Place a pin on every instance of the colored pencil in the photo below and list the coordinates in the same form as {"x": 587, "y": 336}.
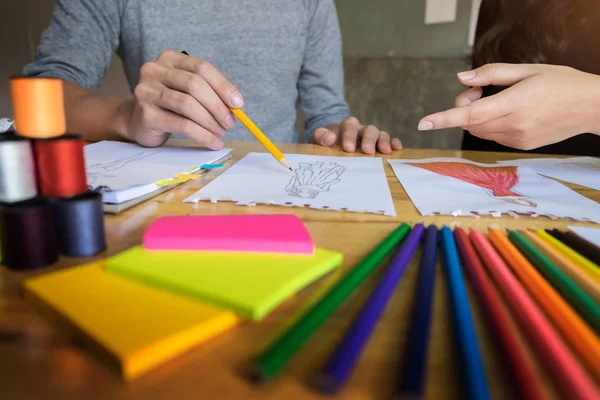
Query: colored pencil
{"x": 576, "y": 274}
{"x": 586, "y": 265}
{"x": 518, "y": 365}
{"x": 470, "y": 356}
{"x": 343, "y": 360}
{"x": 272, "y": 361}
{"x": 412, "y": 380}
{"x": 576, "y": 296}
{"x": 582, "y": 246}
{"x": 573, "y": 328}
{"x": 573, "y": 379}
{"x": 262, "y": 138}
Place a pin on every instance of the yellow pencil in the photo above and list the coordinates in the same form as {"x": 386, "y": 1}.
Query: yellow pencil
{"x": 261, "y": 137}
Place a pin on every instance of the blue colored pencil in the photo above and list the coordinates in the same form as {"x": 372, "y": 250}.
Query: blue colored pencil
{"x": 470, "y": 356}
{"x": 339, "y": 367}
{"x": 412, "y": 381}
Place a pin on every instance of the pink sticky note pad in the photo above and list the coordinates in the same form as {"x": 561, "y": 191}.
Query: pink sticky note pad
{"x": 231, "y": 233}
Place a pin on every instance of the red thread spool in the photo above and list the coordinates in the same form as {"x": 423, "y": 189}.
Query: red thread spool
{"x": 60, "y": 166}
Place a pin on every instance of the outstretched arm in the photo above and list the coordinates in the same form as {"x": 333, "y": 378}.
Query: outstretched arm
{"x": 544, "y": 104}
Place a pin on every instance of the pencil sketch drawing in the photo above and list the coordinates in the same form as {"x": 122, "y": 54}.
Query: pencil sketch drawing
{"x": 310, "y": 179}
{"x": 102, "y": 170}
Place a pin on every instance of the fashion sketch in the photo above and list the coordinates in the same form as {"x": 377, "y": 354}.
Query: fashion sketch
{"x": 103, "y": 170}
{"x": 498, "y": 182}
{"x": 310, "y": 179}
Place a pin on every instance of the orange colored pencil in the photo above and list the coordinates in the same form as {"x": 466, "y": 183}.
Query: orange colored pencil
{"x": 573, "y": 328}
{"x": 572, "y": 378}
{"x": 586, "y": 282}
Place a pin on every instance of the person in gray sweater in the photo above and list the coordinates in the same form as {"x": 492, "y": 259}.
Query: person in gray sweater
{"x": 262, "y": 55}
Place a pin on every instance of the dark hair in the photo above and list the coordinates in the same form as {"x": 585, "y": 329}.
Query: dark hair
{"x": 531, "y": 31}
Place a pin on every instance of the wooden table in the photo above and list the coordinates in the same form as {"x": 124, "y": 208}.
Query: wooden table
{"x": 42, "y": 363}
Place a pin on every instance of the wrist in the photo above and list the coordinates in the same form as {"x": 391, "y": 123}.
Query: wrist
{"x": 120, "y": 124}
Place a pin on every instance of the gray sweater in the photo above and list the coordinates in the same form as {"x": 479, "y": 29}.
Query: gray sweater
{"x": 277, "y": 52}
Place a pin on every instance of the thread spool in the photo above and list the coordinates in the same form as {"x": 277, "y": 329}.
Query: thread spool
{"x": 60, "y": 166}
{"x": 38, "y": 106}
{"x": 27, "y": 236}
{"x": 17, "y": 169}
{"x": 80, "y": 225}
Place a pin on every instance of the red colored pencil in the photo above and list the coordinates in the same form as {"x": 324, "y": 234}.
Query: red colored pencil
{"x": 570, "y": 375}
{"x": 518, "y": 364}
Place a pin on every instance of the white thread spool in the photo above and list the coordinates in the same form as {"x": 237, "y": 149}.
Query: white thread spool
{"x": 17, "y": 170}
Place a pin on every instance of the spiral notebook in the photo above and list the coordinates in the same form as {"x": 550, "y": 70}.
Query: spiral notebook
{"x": 127, "y": 173}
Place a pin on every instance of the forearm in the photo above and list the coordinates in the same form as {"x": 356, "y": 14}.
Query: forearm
{"x": 96, "y": 117}
{"x": 595, "y": 108}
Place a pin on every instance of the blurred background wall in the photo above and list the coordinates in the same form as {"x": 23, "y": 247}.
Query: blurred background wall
{"x": 398, "y": 67}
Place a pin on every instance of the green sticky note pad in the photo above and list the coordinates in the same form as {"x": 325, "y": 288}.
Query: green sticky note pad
{"x": 251, "y": 285}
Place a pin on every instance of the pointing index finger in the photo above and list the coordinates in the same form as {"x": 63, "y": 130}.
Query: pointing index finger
{"x": 479, "y": 112}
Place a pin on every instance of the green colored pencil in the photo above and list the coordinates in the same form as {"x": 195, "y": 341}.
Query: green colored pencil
{"x": 579, "y": 299}
{"x": 275, "y": 357}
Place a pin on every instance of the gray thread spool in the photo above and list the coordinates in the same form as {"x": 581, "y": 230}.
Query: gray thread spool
{"x": 17, "y": 170}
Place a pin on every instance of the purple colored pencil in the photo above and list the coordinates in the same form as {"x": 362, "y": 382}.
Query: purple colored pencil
{"x": 339, "y": 367}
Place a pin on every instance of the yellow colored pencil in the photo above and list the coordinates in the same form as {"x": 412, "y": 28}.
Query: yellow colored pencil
{"x": 261, "y": 137}
{"x": 586, "y": 265}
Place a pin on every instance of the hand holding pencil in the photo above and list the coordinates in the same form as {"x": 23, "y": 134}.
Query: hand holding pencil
{"x": 261, "y": 137}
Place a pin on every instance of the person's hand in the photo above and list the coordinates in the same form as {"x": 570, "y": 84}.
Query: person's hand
{"x": 351, "y": 134}
{"x": 544, "y": 104}
{"x": 178, "y": 93}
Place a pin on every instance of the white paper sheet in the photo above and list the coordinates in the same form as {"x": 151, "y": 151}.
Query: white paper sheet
{"x": 488, "y": 189}
{"x": 355, "y": 184}
{"x": 584, "y": 171}
{"x": 118, "y": 165}
{"x": 5, "y": 124}
{"x": 592, "y": 235}
{"x": 440, "y": 11}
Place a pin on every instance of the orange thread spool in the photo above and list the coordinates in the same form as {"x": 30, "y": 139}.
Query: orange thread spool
{"x": 60, "y": 165}
{"x": 38, "y": 106}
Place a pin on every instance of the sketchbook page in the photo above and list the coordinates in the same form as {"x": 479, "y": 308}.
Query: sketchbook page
{"x": 584, "y": 171}
{"x": 592, "y": 235}
{"x": 453, "y": 186}
{"x": 118, "y": 165}
{"x": 356, "y": 184}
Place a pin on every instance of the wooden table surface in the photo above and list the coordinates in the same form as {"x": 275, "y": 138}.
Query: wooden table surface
{"x": 40, "y": 362}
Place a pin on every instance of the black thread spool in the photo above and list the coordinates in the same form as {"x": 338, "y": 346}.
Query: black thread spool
{"x": 27, "y": 236}
{"x": 80, "y": 225}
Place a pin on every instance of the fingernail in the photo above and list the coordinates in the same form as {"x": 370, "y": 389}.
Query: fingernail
{"x": 425, "y": 126}
{"x": 329, "y": 138}
{"x": 221, "y": 131}
{"x": 350, "y": 147}
{"x": 217, "y": 144}
{"x": 229, "y": 121}
{"x": 236, "y": 100}
{"x": 467, "y": 75}
{"x": 369, "y": 149}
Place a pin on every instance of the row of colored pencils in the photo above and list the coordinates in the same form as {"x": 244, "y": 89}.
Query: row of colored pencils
{"x": 549, "y": 280}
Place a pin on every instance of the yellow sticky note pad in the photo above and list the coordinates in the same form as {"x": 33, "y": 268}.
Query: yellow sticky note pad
{"x": 136, "y": 326}
{"x": 250, "y": 284}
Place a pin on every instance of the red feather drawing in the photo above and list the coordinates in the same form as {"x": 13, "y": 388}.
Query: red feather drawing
{"x": 497, "y": 181}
